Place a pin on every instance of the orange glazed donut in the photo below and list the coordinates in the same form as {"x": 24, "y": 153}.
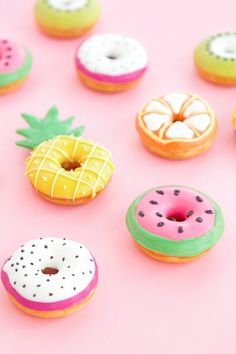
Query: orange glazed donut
{"x": 177, "y": 125}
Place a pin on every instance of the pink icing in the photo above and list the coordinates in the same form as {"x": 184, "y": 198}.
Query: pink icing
{"x": 52, "y": 306}
{"x": 12, "y": 56}
{"x": 153, "y": 210}
{"x": 135, "y": 75}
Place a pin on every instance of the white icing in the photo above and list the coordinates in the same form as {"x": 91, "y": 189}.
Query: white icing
{"x": 179, "y": 130}
{"x": 76, "y": 257}
{"x": 94, "y": 54}
{"x": 157, "y": 106}
{"x": 67, "y": 5}
{"x": 196, "y": 106}
{"x": 176, "y": 100}
{"x": 154, "y": 121}
{"x": 200, "y": 121}
{"x": 224, "y": 46}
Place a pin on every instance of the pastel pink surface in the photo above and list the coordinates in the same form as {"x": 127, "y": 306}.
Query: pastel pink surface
{"x": 12, "y": 56}
{"x": 170, "y": 205}
{"x": 141, "y": 305}
{"x": 52, "y": 306}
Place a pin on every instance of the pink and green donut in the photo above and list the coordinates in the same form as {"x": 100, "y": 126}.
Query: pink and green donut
{"x": 175, "y": 223}
{"x": 15, "y": 65}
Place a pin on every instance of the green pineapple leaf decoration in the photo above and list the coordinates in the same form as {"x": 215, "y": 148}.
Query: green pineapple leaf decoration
{"x": 47, "y": 128}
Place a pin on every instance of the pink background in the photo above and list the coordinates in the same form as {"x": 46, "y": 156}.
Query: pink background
{"x": 141, "y": 305}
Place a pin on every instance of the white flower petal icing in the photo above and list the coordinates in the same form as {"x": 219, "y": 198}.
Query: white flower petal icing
{"x": 200, "y": 122}
{"x": 157, "y": 106}
{"x": 176, "y": 100}
{"x": 69, "y": 257}
{"x": 196, "y": 106}
{"x": 179, "y": 130}
{"x": 154, "y": 121}
{"x": 111, "y": 54}
{"x": 67, "y": 5}
{"x": 224, "y": 46}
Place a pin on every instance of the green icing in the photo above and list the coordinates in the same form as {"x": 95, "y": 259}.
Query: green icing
{"x": 47, "y": 128}
{"x": 188, "y": 247}
{"x": 9, "y": 78}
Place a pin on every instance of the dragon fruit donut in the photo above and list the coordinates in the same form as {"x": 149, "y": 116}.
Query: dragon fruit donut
{"x": 50, "y": 277}
{"x": 15, "y": 64}
{"x": 111, "y": 63}
{"x": 174, "y": 223}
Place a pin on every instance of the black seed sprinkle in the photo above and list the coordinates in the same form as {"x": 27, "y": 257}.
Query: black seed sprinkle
{"x": 80, "y": 247}
{"x": 141, "y": 213}
{"x": 32, "y": 252}
{"x": 22, "y": 251}
{"x": 24, "y": 286}
{"x": 25, "y": 275}
{"x": 154, "y": 202}
{"x": 159, "y": 214}
{"x": 40, "y": 259}
{"x": 62, "y": 287}
{"x": 199, "y": 219}
{"x": 16, "y": 270}
{"x": 77, "y": 256}
{"x": 91, "y": 260}
{"x": 180, "y": 229}
{"x": 48, "y": 280}
{"x": 160, "y": 224}
{"x": 83, "y": 273}
{"x": 73, "y": 275}
{"x": 159, "y": 192}
{"x": 68, "y": 266}
{"x": 17, "y": 263}
{"x": 176, "y": 192}
{"x": 14, "y": 283}
{"x": 12, "y": 265}
{"x": 50, "y": 294}
{"x": 63, "y": 259}
{"x": 23, "y": 266}
{"x": 189, "y": 213}
{"x": 74, "y": 288}
{"x": 199, "y": 199}
{"x": 209, "y": 211}
{"x": 33, "y": 246}
{"x": 38, "y": 286}
{"x": 45, "y": 246}
{"x": 51, "y": 257}
{"x": 63, "y": 277}
{"x": 31, "y": 263}
{"x": 21, "y": 258}
{"x": 34, "y": 295}
{"x": 64, "y": 238}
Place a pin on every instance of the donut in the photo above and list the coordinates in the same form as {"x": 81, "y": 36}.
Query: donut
{"x": 174, "y": 223}
{"x": 15, "y": 65}
{"x": 50, "y": 277}
{"x": 177, "y": 125}
{"x": 110, "y": 62}
{"x": 215, "y": 59}
{"x": 64, "y": 169}
{"x": 66, "y": 18}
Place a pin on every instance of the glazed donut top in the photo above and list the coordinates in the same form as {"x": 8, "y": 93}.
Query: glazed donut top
{"x": 12, "y": 56}
{"x": 68, "y": 5}
{"x": 223, "y": 46}
{"x": 75, "y": 265}
{"x": 175, "y": 213}
{"x": 177, "y": 116}
{"x": 47, "y": 167}
{"x": 112, "y": 55}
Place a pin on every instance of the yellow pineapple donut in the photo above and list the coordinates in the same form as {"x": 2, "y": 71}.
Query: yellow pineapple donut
{"x": 64, "y": 169}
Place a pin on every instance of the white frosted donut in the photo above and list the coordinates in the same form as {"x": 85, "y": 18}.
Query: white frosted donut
{"x": 111, "y": 58}
{"x": 50, "y": 277}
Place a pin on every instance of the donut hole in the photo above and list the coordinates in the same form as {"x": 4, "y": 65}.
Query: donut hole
{"x": 50, "y": 271}
{"x": 224, "y": 46}
{"x": 70, "y": 166}
{"x": 176, "y": 216}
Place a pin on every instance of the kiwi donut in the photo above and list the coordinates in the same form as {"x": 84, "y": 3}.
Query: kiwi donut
{"x": 215, "y": 59}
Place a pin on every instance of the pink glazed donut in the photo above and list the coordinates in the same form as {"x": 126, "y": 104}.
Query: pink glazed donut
{"x": 15, "y": 64}
{"x": 50, "y": 277}
{"x": 175, "y": 223}
{"x": 111, "y": 63}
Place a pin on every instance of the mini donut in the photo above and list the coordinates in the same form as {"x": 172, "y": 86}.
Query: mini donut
{"x": 15, "y": 65}
{"x": 177, "y": 125}
{"x": 174, "y": 223}
{"x": 66, "y": 18}
{"x": 215, "y": 59}
{"x": 68, "y": 170}
{"x": 50, "y": 277}
{"x": 109, "y": 62}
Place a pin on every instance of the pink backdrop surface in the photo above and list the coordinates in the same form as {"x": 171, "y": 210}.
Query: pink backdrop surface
{"x": 140, "y": 305}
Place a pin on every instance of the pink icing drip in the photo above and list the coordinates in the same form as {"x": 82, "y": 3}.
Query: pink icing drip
{"x": 135, "y": 75}
{"x": 170, "y": 204}
{"x": 12, "y": 56}
{"x": 52, "y": 306}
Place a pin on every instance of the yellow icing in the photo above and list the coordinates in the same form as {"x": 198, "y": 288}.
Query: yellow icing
{"x": 45, "y": 172}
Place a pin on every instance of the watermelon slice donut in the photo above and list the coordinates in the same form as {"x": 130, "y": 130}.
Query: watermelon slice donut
{"x": 50, "y": 277}
{"x": 177, "y": 126}
{"x": 15, "y": 64}
{"x": 111, "y": 62}
{"x": 174, "y": 223}
{"x": 66, "y": 18}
